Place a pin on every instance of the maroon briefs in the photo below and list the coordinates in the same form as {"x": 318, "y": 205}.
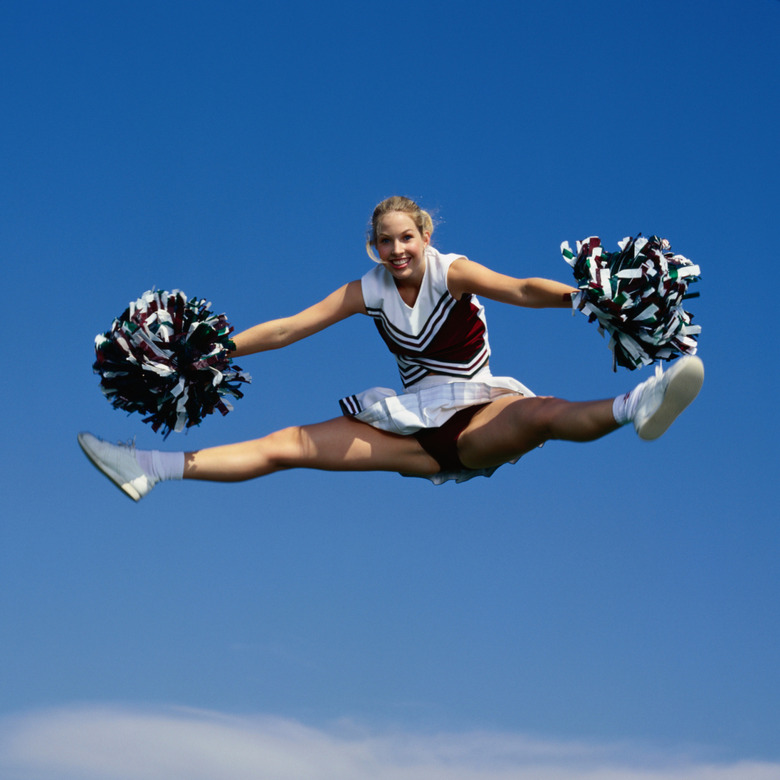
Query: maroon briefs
{"x": 442, "y": 443}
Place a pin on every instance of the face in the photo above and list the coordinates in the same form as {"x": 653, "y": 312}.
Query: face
{"x": 400, "y": 246}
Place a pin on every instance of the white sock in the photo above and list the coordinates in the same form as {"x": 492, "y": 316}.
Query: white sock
{"x": 624, "y": 406}
{"x": 159, "y": 466}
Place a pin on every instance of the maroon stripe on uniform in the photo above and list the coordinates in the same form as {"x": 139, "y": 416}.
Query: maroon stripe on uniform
{"x": 420, "y": 340}
{"x": 458, "y": 348}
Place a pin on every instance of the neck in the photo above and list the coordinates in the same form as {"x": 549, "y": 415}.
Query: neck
{"x": 409, "y": 288}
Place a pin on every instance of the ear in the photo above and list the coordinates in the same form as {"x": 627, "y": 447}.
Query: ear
{"x": 426, "y": 238}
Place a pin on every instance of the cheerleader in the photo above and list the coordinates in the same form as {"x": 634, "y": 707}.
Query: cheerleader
{"x": 453, "y": 419}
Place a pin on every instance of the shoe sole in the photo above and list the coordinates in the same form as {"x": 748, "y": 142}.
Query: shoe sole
{"x": 683, "y": 387}
{"x": 125, "y": 487}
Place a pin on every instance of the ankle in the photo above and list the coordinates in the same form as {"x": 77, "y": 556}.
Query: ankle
{"x": 161, "y": 466}
{"x": 622, "y": 408}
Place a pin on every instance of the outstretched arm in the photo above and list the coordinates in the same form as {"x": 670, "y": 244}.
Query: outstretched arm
{"x": 466, "y": 276}
{"x": 339, "y": 305}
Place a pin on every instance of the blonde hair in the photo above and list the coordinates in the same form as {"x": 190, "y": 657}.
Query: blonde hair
{"x": 420, "y": 217}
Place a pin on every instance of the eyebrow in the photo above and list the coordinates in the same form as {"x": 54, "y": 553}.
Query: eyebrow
{"x": 390, "y": 235}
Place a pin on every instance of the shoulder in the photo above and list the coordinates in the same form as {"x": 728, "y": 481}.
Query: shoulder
{"x": 376, "y": 277}
{"x": 374, "y": 286}
{"x": 377, "y": 272}
{"x": 448, "y": 269}
{"x": 440, "y": 259}
{"x": 438, "y": 266}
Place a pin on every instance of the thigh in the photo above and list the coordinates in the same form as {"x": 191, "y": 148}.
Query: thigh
{"x": 501, "y": 431}
{"x": 344, "y": 444}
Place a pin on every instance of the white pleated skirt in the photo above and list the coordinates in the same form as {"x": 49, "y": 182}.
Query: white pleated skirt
{"x": 429, "y": 403}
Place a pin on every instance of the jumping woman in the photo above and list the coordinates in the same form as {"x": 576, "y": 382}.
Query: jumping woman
{"x": 454, "y": 420}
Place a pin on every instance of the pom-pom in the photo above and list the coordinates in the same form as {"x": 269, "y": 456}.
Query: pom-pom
{"x": 167, "y": 357}
{"x": 636, "y": 295}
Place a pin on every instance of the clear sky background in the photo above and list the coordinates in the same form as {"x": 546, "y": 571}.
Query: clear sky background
{"x": 606, "y": 610}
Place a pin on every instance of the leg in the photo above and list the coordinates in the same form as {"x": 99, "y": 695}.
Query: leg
{"x": 498, "y": 432}
{"x": 341, "y": 444}
{"x": 512, "y": 426}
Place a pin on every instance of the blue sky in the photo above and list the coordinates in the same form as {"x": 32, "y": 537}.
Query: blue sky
{"x": 608, "y": 609}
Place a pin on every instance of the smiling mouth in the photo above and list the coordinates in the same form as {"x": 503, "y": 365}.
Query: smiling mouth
{"x": 399, "y": 262}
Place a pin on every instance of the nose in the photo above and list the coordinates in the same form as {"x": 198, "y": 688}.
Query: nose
{"x": 398, "y": 247}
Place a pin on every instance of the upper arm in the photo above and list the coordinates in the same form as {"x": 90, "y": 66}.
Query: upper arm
{"x": 466, "y": 276}
{"x": 339, "y": 305}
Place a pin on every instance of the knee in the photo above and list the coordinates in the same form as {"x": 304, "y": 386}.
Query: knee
{"x": 285, "y": 448}
{"x": 540, "y": 415}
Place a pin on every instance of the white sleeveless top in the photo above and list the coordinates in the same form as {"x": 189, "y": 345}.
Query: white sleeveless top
{"x": 439, "y": 334}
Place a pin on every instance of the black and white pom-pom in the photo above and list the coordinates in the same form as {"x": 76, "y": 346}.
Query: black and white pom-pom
{"x": 167, "y": 357}
{"x": 636, "y": 295}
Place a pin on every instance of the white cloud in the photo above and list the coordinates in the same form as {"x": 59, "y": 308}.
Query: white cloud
{"x": 119, "y": 743}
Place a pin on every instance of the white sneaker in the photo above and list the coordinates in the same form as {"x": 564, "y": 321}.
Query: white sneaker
{"x": 118, "y": 463}
{"x": 665, "y": 395}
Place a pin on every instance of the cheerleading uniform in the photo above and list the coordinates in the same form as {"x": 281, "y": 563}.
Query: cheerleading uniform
{"x": 442, "y": 349}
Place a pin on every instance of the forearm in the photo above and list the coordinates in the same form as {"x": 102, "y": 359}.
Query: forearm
{"x": 273, "y": 334}
{"x": 466, "y": 276}
{"x": 536, "y": 293}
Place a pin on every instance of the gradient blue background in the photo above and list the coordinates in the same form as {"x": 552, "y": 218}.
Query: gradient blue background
{"x": 613, "y": 591}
